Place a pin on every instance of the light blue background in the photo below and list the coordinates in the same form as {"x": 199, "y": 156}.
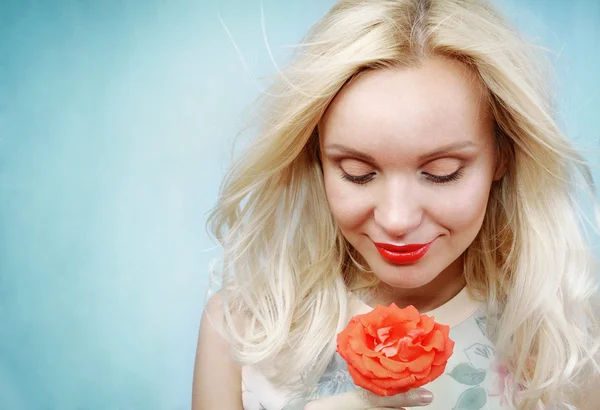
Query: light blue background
{"x": 116, "y": 123}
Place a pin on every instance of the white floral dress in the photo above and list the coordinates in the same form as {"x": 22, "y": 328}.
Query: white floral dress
{"x": 473, "y": 379}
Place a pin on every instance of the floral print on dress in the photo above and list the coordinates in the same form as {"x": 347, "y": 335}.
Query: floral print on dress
{"x": 473, "y": 373}
{"x": 503, "y": 383}
{"x": 335, "y": 380}
{"x": 474, "y": 378}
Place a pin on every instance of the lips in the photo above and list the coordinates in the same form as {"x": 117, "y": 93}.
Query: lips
{"x": 402, "y": 254}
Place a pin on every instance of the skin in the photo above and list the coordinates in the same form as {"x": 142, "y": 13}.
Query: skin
{"x": 396, "y": 133}
{"x": 399, "y": 125}
{"x": 217, "y": 383}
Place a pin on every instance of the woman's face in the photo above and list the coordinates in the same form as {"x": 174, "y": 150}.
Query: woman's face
{"x": 408, "y": 160}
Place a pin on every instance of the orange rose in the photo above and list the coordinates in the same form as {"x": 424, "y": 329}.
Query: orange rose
{"x": 391, "y": 350}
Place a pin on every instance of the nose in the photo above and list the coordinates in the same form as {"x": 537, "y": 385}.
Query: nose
{"x": 399, "y": 210}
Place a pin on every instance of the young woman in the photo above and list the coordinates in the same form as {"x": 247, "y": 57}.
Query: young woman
{"x": 408, "y": 155}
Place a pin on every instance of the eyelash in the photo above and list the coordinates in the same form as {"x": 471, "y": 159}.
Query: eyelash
{"x": 444, "y": 179}
{"x": 359, "y": 180}
{"x": 436, "y": 179}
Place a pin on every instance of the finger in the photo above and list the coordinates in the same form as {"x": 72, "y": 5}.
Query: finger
{"x": 386, "y": 408}
{"x": 361, "y": 399}
{"x": 412, "y": 398}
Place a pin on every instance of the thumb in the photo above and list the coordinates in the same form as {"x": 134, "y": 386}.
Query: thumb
{"x": 412, "y": 398}
{"x": 361, "y": 399}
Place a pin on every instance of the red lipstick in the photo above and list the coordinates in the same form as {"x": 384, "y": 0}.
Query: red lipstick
{"x": 402, "y": 254}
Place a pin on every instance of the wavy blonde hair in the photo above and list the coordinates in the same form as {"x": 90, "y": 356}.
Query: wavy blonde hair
{"x": 286, "y": 267}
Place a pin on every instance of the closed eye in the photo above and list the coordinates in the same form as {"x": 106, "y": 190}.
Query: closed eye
{"x": 443, "y": 179}
{"x": 358, "y": 179}
{"x": 436, "y": 179}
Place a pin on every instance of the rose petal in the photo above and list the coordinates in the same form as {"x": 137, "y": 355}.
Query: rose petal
{"x": 422, "y": 362}
{"x": 436, "y": 371}
{"x": 342, "y": 341}
{"x": 354, "y": 327}
{"x": 396, "y": 316}
{"x": 372, "y": 321}
{"x": 443, "y": 356}
{"x": 366, "y": 383}
{"x": 423, "y": 374}
{"x": 444, "y": 329}
{"x": 362, "y": 344}
{"x": 414, "y": 334}
{"x": 395, "y": 383}
{"x": 392, "y": 315}
{"x": 357, "y": 361}
{"x": 401, "y": 331}
{"x": 391, "y": 350}
{"x": 383, "y": 333}
{"x": 393, "y": 365}
{"x": 427, "y": 323}
{"x": 376, "y": 368}
{"x": 401, "y": 321}
{"x": 359, "y": 342}
{"x": 382, "y": 346}
{"x": 373, "y": 354}
{"x": 345, "y": 343}
{"x": 435, "y": 340}
{"x": 408, "y": 351}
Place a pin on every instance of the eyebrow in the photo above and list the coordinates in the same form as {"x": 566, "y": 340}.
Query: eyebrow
{"x": 456, "y": 146}
{"x": 349, "y": 151}
{"x": 446, "y": 149}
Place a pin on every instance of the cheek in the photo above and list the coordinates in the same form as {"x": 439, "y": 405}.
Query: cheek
{"x": 348, "y": 203}
{"x": 463, "y": 211}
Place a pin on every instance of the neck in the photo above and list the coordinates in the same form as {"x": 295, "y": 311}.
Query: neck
{"x": 427, "y": 297}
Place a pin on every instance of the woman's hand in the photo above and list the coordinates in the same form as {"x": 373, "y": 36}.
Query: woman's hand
{"x": 361, "y": 399}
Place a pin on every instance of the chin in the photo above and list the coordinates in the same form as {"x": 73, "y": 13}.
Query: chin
{"x": 405, "y": 278}
{"x": 416, "y": 284}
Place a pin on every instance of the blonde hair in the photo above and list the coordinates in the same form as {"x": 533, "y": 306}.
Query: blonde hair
{"x": 287, "y": 268}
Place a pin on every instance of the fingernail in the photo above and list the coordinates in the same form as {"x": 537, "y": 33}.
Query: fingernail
{"x": 425, "y": 396}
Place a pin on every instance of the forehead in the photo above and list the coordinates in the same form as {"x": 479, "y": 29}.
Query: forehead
{"x": 413, "y": 109}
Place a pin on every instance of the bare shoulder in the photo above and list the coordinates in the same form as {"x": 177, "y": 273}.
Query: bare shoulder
{"x": 217, "y": 378}
{"x": 589, "y": 397}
